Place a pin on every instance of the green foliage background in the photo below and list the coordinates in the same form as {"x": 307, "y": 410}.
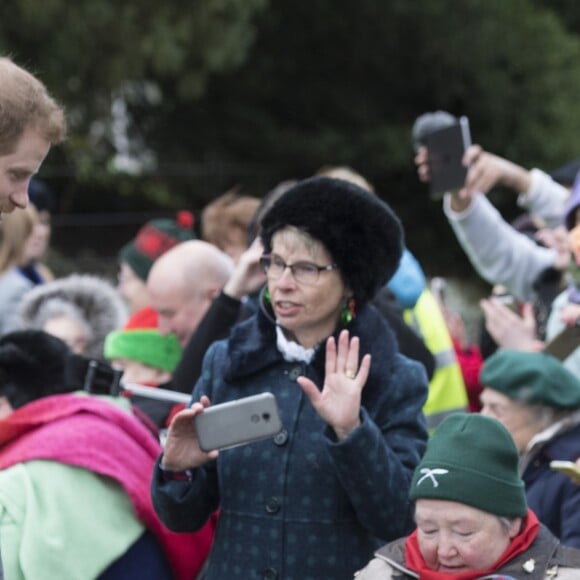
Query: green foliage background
{"x": 251, "y": 92}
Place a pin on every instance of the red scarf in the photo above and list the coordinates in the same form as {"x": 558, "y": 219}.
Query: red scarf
{"x": 94, "y": 434}
{"x": 414, "y": 560}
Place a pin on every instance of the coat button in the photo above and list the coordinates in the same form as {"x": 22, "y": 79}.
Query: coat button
{"x": 273, "y": 505}
{"x": 270, "y": 574}
{"x": 295, "y": 373}
{"x": 281, "y": 438}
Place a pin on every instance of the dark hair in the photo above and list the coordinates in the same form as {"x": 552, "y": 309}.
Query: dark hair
{"x": 41, "y": 196}
{"x": 32, "y": 365}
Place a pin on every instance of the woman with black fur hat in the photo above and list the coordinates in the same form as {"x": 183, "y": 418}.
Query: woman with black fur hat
{"x": 318, "y": 499}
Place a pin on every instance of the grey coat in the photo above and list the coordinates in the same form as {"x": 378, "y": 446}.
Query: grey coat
{"x": 13, "y": 287}
{"x": 545, "y": 559}
{"x": 303, "y": 505}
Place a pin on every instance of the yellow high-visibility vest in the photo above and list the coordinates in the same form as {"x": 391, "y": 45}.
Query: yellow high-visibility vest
{"x": 447, "y": 393}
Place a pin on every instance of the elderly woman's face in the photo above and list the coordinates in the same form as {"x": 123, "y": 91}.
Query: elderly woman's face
{"x": 309, "y": 312}
{"x": 69, "y": 331}
{"x": 516, "y": 417}
{"x": 455, "y": 537}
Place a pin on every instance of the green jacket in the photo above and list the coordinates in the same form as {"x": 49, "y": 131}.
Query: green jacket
{"x": 47, "y": 507}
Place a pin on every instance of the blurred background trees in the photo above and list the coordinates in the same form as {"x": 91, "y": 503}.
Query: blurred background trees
{"x": 171, "y": 104}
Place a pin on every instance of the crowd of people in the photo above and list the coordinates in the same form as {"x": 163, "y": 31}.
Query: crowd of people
{"x": 406, "y": 450}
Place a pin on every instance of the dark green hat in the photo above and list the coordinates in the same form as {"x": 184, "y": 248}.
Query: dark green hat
{"x": 533, "y": 378}
{"x": 472, "y": 459}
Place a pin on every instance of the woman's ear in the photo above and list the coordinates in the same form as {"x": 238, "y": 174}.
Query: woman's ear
{"x": 515, "y": 527}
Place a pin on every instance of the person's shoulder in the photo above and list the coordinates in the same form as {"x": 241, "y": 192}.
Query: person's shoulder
{"x": 388, "y": 563}
{"x": 568, "y": 561}
{"x": 14, "y": 279}
{"x": 564, "y": 557}
{"x": 376, "y": 569}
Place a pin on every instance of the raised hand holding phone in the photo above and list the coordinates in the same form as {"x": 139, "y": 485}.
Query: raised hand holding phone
{"x": 182, "y": 450}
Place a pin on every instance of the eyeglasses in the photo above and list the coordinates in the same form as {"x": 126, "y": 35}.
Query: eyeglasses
{"x": 303, "y": 272}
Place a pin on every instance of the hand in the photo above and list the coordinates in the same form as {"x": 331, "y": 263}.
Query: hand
{"x": 557, "y": 239}
{"x": 508, "y": 329}
{"x": 422, "y": 163}
{"x": 487, "y": 170}
{"x": 460, "y": 199}
{"x": 182, "y": 449}
{"x": 339, "y": 401}
{"x": 570, "y": 314}
{"x": 247, "y": 276}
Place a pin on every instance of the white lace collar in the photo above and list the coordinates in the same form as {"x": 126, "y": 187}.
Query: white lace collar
{"x": 292, "y": 351}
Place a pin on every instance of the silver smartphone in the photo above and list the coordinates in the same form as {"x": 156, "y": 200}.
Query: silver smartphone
{"x": 238, "y": 422}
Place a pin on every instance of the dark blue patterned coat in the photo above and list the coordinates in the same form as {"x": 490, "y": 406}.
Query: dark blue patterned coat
{"x": 553, "y": 496}
{"x": 303, "y": 505}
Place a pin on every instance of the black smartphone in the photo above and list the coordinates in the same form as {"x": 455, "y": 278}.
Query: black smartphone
{"x": 446, "y": 148}
{"x": 238, "y": 422}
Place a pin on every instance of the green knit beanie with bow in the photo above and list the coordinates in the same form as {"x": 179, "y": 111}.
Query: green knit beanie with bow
{"x": 472, "y": 459}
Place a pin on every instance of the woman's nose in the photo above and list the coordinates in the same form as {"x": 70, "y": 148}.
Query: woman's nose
{"x": 445, "y": 548}
{"x": 287, "y": 277}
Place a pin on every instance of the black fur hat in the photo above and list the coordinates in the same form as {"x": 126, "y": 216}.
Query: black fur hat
{"x": 32, "y": 365}
{"x": 362, "y": 233}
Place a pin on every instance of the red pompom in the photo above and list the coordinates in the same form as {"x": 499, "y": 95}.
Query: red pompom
{"x": 185, "y": 219}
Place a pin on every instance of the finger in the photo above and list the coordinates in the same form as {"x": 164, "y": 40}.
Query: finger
{"x": 184, "y": 416}
{"x": 352, "y": 357}
{"x": 330, "y": 365}
{"x": 424, "y": 174}
{"x": 471, "y": 154}
{"x": 342, "y": 352}
{"x": 363, "y": 373}
{"x": 310, "y": 390}
{"x": 528, "y": 313}
{"x": 474, "y": 177}
{"x": 422, "y": 155}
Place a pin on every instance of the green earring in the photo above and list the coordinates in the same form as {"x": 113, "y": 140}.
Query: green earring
{"x": 348, "y": 313}
{"x": 267, "y": 297}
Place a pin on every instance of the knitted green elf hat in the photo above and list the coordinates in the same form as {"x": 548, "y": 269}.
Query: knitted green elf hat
{"x": 472, "y": 459}
{"x": 141, "y": 341}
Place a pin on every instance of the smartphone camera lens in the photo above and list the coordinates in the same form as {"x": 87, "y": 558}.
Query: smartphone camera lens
{"x": 266, "y": 416}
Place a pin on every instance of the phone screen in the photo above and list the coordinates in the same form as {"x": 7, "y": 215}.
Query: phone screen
{"x": 446, "y": 148}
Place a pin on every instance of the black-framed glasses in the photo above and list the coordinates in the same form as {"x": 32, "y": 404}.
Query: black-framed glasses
{"x": 303, "y": 272}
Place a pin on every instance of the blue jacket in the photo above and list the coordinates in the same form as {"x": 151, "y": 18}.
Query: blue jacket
{"x": 553, "y": 496}
{"x": 303, "y": 505}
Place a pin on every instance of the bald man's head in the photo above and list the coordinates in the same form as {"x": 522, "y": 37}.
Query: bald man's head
{"x": 183, "y": 282}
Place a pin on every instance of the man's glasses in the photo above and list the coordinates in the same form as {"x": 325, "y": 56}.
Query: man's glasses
{"x": 303, "y": 272}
